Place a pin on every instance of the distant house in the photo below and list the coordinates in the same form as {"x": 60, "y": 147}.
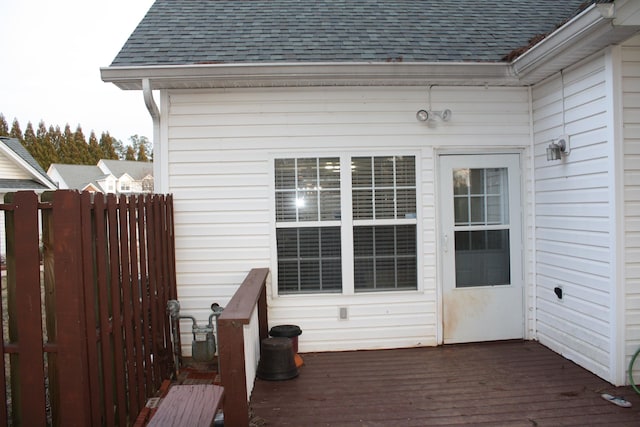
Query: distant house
{"x": 414, "y": 173}
{"x": 108, "y": 176}
{"x": 19, "y": 171}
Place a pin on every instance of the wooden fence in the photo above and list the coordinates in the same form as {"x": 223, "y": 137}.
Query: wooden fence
{"x": 84, "y": 312}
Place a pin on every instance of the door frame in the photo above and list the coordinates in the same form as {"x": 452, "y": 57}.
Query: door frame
{"x": 437, "y": 154}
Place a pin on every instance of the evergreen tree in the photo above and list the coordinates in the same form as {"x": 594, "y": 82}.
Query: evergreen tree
{"x": 80, "y": 148}
{"x": 30, "y": 141}
{"x": 142, "y": 154}
{"x": 46, "y": 152}
{"x": 131, "y": 154}
{"x": 107, "y": 147}
{"x": 65, "y": 150}
{"x": 56, "y": 140}
{"x": 95, "y": 153}
{"x": 16, "y": 132}
{"x": 4, "y": 126}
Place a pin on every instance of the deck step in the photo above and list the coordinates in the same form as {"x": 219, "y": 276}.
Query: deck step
{"x": 189, "y": 405}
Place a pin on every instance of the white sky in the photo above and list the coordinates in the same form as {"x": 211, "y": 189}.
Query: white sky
{"x": 52, "y": 52}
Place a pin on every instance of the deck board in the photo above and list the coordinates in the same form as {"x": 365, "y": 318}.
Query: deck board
{"x": 511, "y": 383}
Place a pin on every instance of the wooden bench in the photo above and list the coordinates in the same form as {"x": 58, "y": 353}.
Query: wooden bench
{"x": 189, "y": 406}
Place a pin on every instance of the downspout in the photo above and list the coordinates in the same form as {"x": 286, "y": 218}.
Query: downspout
{"x": 154, "y": 111}
{"x": 533, "y": 327}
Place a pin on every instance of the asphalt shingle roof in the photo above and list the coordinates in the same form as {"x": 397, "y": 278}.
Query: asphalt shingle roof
{"x": 181, "y": 32}
{"x": 79, "y": 176}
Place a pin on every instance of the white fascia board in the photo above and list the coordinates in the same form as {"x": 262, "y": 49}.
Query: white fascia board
{"x": 595, "y": 28}
{"x": 309, "y": 74}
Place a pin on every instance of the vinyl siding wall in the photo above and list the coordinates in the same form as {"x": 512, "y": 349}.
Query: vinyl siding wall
{"x": 630, "y": 52}
{"x": 573, "y": 217}
{"x": 221, "y": 145}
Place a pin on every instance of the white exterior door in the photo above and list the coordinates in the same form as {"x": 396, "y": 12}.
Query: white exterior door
{"x": 481, "y": 241}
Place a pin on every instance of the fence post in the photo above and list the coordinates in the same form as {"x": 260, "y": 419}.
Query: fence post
{"x": 25, "y": 315}
{"x": 72, "y": 344}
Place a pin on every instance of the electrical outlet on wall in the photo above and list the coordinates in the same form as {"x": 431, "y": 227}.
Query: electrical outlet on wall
{"x": 343, "y": 313}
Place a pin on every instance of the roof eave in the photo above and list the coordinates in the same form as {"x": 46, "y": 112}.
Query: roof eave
{"x": 309, "y": 74}
{"x": 595, "y": 28}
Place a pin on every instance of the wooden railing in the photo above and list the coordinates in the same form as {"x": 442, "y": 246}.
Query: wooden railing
{"x": 88, "y": 278}
{"x": 241, "y": 328}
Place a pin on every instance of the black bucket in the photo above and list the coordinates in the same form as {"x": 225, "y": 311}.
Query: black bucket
{"x": 276, "y": 360}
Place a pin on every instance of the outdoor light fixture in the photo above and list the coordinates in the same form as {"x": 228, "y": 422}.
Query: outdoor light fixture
{"x": 432, "y": 118}
{"x": 557, "y": 147}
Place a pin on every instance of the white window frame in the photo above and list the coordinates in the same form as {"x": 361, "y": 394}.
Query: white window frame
{"x": 347, "y": 222}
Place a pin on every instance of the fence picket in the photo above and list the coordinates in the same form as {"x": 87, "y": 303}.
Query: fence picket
{"x": 25, "y": 316}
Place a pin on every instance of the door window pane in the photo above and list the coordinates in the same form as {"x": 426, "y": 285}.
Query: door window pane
{"x": 482, "y": 258}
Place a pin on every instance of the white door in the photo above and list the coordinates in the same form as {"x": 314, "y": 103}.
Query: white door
{"x": 481, "y": 241}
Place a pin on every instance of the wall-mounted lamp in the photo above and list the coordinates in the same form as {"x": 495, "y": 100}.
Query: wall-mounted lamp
{"x": 557, "y": 147}
{"x": 432, "y": 118}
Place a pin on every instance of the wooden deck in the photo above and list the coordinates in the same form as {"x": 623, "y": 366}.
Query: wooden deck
{"x": 511, "y": 383}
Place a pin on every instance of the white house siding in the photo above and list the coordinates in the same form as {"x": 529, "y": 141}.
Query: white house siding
{"x": 573, "y": 223}
{"x": 9, "y": 169}
{"x": 631, "y": 134}
{"x": 221, "y": 145}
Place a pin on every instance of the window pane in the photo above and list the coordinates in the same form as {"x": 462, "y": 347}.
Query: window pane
{"x": 384, "y": 171}
{"x": 330, "y": 242}
{"x": 362, "y": 204}
{"x": 285, "y": 174}
{"x": 330, "y": 173}
{"x": 363, "y": 241}
{"x": 405, "y": 171}
{"x": 461, "y": 210}
{"x": 406, "y": 203}
{"x": 476, "y": 179}
{"x": 330, "y": 205}
{"x": 482, "y": 258}
{"x": 307, "y": 174}
{"x": 385, "y": 204}
{"x": 361, "y": 172}
{"x": 461, "y": 182}
{"x": 307, "y": 203}
{"x": 286, "y": 206}
{"x": 477, "y": 209}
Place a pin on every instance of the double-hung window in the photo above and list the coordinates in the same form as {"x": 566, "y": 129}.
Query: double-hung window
{"x": 346, "y": 217}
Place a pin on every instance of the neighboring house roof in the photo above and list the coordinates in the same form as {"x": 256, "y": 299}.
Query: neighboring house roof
{"x": 77, "y": 177}
{"x": 249, "y": 31}
{"x": 15, "y": 151}
{"x": 136, "y": 170}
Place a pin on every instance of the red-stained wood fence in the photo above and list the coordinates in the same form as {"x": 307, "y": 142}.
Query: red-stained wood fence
{"x": 85, "y": 338}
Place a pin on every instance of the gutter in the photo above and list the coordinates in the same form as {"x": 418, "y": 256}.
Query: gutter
{"x": 592, "y": 30}
{"x": 309, "y": 74}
